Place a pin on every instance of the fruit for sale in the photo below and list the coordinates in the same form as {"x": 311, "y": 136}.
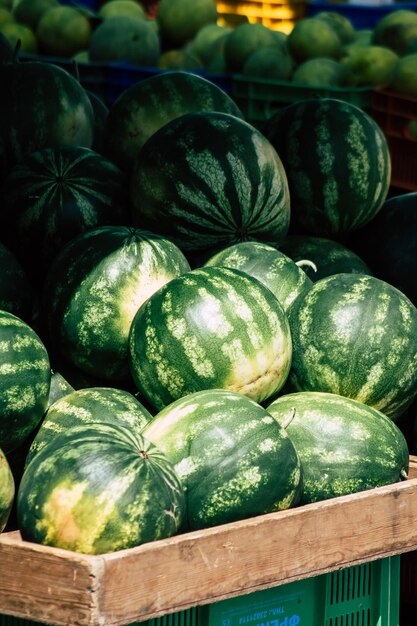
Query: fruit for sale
{"x": 271, "y": 267}
{"x": 146, "y": 106}
{"x": 45, "y": 107}
{"x": 7, "y": 490}
{"x": 54, "y": 194}
{"x": 25, "y": 378}
{"x": 397, "y": 30}
{"x": 94, "y": 288}
{"x": 312, "y": 37}
{"x": 82, "y": 407}
{"x": 125, "y": 38}
{"x": 105, "y": 488}
{"x": 225, "y": 183}
{"x": 243, "y": 41}
{"x": 344, "y": 446}
{"x": 337, "y": 161}
{"x": 327, "y": 256}
{"x": 212, "y": 327}
{"x": 63, "y": 31}
{"x": 178, "y": 22}
{"x": 356, "y": 336}
{"x": 232, "y": 458}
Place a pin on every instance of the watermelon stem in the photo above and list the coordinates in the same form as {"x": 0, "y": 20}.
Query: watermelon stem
{"x": 307, "y": 262}
{"x": 144, "y": 454}
{"x": 403, "y": 474}
{"x": 290, "y": 418}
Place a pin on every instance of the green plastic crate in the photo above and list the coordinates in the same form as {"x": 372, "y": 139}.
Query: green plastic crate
{"x": 260, "y": 98}
{"x": 361, "y": 595}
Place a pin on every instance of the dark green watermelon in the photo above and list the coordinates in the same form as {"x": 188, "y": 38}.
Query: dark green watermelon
{"x": 337, "y": 161}
{"x": 270, "y": 266}
{"x": 105, "y": 488}
{"x": 232, "y": 458}
{"x": 25, "y": 379}
{"x": 212, "y": 327}
{"x": 93, "y": 290}
{"x": 45, "y": 107}
{"x": 82, "y": 407}
{"x": 7, "y": 491}
{"x": 149, "y": 104}
{"x": 356, "y": 336}
{"x": 344, "y": 446}
{"x": 327, "y": 256}
{"x": 54, "y": 194}
{"x": 388, "y": 243}
{"x": 207, "y": 180}
{"x": 17, "y": 293}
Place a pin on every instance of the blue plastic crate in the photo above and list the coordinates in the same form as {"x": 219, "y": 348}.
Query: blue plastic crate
{"x": 93, "y": 5}
{"x": 361, "y": 15}
{"x": 360, "y": 595}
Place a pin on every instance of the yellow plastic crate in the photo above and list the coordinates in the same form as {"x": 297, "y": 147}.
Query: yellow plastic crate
{"x": 276, "y": 15}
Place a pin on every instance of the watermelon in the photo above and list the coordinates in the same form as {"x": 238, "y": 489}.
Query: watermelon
{"x": 54, "y": 194}
{"x": 81, "y": 407}
{"x": 388, "y": 243}
{"x": 328, "y": 256}
{"x": 208, "y": 180}
{"x": 25, "y": 378}
{"x": 45, "y": 107}
{"x": 337, "y": 162}
{"x": 17, "y": 294}
{"x": 149, "y": 104}
{"x": 344, "y": 445}
{"x": 356, "y": 335}
{"x": 94, "y": 288}
{"x": 7, "y": 491}
{"x": 232, "y": 458}
{"x": 212, "y": 327}
{"x": 103, "y": 489}
{"x": 271, "y": 267}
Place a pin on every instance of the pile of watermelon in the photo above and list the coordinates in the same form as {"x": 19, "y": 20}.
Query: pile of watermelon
{"x": 190, "y": 334}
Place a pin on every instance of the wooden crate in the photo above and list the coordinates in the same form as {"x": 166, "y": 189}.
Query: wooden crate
{"x": 65, "y": 588}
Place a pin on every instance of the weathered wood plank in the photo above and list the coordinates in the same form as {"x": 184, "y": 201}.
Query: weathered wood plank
{"x": 48, "y": 585}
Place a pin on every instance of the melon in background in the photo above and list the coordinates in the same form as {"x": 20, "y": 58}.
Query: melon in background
{"x": 146, "y": 106}
{"x": 337, "y": 162}
{"x": 225, "y": 183}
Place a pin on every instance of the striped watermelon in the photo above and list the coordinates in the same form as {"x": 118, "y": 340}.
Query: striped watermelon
{"x": 344, "y": 446}
{"x": 149, "y": 104}
{"x": 271, "y": 267}
{"x": 328, "y": 256}
{"x": 82, "y": 407}
{"x": 25, "y": 378}
{"x": 103, "y": 489}
{"x": 208, "y": 180}
{"x": 388, "y": 243}
{"x": 17, "y": 294}
{"x": 356, "y": 336}
{"x": 94, "y": 288}
{"x": 232, "y": 458}
{"x": 7, "y": 491}
{"x": 54, "y": 194}
{"x": 337, "y": 161}
{"x": 45, "y": 107}
{"x": 213, "y": 327}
